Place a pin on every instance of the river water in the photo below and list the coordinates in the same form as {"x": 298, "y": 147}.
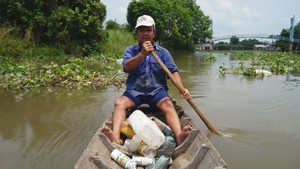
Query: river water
{"x": 258, "y": 118}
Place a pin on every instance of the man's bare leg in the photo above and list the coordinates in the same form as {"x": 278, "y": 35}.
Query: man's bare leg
{"x": 119, "y": 115}
{"x": 183, "y": 135}
{"x": 166, "y": 105}
{"x": 110, "y": 135}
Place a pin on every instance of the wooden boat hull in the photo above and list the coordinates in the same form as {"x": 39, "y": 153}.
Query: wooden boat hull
{"x": 195, "y": 152}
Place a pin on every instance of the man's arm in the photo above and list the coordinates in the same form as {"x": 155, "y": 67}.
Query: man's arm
{"x": 133, "y": 62}
{"x": 136, "y": 60}
{"x": 186, "y": 94}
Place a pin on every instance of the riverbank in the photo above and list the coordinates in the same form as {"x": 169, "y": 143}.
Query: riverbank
{"x": 26, "y": 66}
{"x": 29, "y": 74}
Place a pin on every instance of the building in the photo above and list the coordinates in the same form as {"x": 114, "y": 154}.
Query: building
{"x": 259, "y": 47}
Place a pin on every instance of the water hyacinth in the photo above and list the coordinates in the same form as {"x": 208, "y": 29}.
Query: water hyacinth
{"x": 76, "y": 72}
{"x": 274, "y": 62}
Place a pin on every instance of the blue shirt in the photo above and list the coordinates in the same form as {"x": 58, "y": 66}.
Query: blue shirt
{"x": 148, "y": 77}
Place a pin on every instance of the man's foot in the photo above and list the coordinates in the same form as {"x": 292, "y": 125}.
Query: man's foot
{"x": 110, "y": 135}
{"x": 183, "y": 135}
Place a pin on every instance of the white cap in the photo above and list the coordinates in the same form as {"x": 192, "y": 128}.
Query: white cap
{"x": 144, "y": 20}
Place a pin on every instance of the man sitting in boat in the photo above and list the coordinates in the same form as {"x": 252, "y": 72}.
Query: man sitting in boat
{"x": 147, "y": 82}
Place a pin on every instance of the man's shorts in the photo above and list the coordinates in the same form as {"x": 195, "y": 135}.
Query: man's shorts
{"x": 147, "y": 99}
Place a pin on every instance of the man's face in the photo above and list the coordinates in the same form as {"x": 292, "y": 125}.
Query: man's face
{"x": 145, "y": 33}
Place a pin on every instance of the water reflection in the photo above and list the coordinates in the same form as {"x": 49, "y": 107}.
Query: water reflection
{"x": 292, "y": 80}
{"x": 39, "y": 130}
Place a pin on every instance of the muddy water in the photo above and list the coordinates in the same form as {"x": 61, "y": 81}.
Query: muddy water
{"x": 258, "y": 119}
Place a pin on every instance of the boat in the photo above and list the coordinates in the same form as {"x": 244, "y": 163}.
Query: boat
{"x": 194, "y": 153}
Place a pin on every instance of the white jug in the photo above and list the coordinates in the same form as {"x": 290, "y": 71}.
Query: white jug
{"x": 146, "y": 129}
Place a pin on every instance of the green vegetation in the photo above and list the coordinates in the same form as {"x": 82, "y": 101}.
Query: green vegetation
{"x": 236, "y": 44}
{"x": 76, "y": 27}
{"x": 62, "y": 43}
{"x": 118, "y": 40}
{"x": 209, "y": 58}
{"x": 286, "y": 33}
{"x": 276, "y": 62}
{"x": 25, "y": 66}
{"x": 239, "y": 70}
{"x": 32, "y": 75}
{"x": 13, "y": 45}
{"x": 73, "y": 26}
{"x": 180, "y": 24}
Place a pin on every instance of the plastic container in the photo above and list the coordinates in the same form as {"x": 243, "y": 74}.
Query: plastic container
{"x": 147, "y": 151}
{"x": 127, "y": 130}
{"x": 142, "y": 161}
{"x": 134, "y": 143}
{"x": 162, "y": 126}
{"x": 146, "y": 129}
{"x": 127, "y": 142}
{"x": 122, "y": 159}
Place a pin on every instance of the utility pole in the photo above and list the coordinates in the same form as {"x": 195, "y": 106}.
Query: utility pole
{"x": 292, "y": 33}
{"x": 211, "y": 29}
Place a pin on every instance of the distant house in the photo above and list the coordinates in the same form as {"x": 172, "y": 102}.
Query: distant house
{"x": 206, "y": 46}
{"x": 259, "y": 47}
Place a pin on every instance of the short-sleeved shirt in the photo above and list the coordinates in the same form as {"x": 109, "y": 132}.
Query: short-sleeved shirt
{"x": 148, "y": 77}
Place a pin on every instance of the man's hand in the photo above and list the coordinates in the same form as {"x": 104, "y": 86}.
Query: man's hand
{"x": 186, "y": 95}
{"x": 146, "y": 48}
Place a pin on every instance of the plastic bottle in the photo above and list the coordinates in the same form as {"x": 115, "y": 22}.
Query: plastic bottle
{"x": 132, "y": 165}
{"x": 146, "y": 129}
{"x": 122, "y": 159}
{"x": 127, "y": 130}
{"x": 162, "y": 126}
{"x": 127, "y": 142}
{"x": 134, "y": 143}
{"x": 147, "y": 151}
{"x": 142, "y": 161}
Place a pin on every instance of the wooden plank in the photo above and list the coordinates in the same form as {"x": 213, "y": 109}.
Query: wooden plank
{"x": 186, "y": 144}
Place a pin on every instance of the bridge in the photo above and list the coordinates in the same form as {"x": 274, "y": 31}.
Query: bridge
{"x": 254, "y": 36}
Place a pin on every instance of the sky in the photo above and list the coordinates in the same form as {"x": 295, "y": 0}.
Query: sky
{"x": 232, "y": 17}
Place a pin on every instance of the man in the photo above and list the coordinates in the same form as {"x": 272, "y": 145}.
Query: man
{"x": 147, "y": 82}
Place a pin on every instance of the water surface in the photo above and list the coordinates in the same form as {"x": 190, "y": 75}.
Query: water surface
{"x": 257, "y": 117}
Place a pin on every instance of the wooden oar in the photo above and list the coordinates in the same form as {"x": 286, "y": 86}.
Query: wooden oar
{"x": 182, "y": 90}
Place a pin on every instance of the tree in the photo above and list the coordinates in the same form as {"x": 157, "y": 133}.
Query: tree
{"x": 222, "y": 46}
{"x": 284, "y": 45}
{"x": 248, "y": 44}
{"x": 180, "y": 24}
{"x": 75, "y": 25}
{"x": 234, "y": 40}
{"x": 297, "y": 34}
{"x": 112, "y": 25}
{"x": 297, "y": 31}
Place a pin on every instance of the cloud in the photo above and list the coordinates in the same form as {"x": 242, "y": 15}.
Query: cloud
{"x": 121, "y": 10}
{"x": 250, "y": 14}
{"x": 116, "y": 10}
{"x": 232, "y": 17}
{"x": 229, "y": 16}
